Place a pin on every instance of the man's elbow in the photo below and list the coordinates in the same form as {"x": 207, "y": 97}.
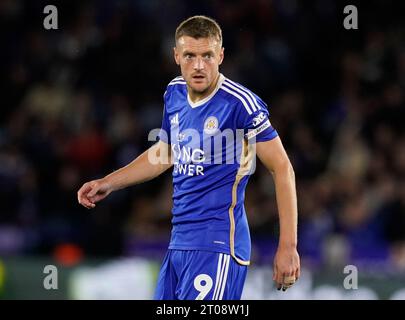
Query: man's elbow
{"x": 291, "y": 171}
{"x": 284, "y": 168}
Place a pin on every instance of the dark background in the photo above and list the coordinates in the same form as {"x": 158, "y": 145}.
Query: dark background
{"x": 78, "y": 102}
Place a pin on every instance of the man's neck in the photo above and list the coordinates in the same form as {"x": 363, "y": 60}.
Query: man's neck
{"x": 196, "y": 97}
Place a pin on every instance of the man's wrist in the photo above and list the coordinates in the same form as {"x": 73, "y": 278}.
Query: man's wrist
{"x": 287, "y": 244}
{"x": 107, "y": 181}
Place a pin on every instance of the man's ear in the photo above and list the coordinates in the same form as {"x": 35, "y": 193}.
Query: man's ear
{"x": 221, "y": 55}
{"x": 176, "y": 56}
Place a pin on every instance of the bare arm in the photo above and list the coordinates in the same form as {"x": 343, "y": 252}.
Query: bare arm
{"x": 147, "y": 166}
{"x": 286, "y": 262}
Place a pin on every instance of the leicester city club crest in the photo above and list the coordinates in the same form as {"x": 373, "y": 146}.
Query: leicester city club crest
{"x": 211, "y": 125}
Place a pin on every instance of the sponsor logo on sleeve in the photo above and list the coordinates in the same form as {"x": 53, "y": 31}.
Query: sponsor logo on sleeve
{"x": 254, "y": 132}
{"x": 258, "y": 119}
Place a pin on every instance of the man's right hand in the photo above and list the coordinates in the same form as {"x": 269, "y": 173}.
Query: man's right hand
{"x": 92, "y": 192}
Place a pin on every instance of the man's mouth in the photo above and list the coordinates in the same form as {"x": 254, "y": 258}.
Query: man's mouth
{"x": 198, "y": 77}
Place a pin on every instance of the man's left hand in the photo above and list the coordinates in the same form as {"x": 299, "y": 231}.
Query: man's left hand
{"x": 286, "y": 269}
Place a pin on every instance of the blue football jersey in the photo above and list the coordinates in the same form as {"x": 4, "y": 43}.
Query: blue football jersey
{"x": 212, "y": 145}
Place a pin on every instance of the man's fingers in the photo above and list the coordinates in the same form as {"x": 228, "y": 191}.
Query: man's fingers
{"x": 289, "y": 280}
{"x": 97, "y": 198}
{"x": 83, "y": 190}
{"x": 297, "y": 274}
{"x": 89, "y": 205}
{"x": 287, "y": 267}
{"x": 284, "y": 280}
{"x": 86, "y": 203}
{"x": 83, "y": 196}
{"x": 279, "y": 279}
{"x": 93, "y": 191}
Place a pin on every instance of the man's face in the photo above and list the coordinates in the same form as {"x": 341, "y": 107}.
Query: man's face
{"x": 199, "y": 61}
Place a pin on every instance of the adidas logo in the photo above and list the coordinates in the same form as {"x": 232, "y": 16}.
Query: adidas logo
{"x": 175, "y": 120}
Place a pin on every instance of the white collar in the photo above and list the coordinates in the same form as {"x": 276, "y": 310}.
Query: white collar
{"x": 207, "y": 98}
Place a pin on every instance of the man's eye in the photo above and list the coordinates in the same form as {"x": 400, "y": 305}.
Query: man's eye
{"x": 188, "y": 56}
{"x": 208, "y": 56}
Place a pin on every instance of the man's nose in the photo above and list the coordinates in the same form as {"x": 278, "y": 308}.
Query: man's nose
{"x": 198, "y": 64}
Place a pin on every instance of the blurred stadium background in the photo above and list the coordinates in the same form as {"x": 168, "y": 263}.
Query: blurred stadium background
{"x": 78, "y": 102}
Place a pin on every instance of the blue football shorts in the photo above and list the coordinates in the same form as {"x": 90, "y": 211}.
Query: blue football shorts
{"x": 199, "y": 275}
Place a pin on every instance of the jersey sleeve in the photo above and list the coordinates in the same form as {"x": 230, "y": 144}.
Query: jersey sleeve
{"x": 256, "y": 123}
{"x": 164, "y": 134}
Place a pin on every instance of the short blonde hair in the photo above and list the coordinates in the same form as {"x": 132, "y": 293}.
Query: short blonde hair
{"x": 199, "y": 27}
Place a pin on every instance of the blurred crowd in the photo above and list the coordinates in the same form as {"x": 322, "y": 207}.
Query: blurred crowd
{"x": 79, "y": 102}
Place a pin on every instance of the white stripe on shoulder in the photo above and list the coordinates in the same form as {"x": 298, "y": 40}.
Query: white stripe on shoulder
{"x": 243, "y": 93}
{"x": 237, "y": 96}
{"x": 227, "y": 258}
{"x": 245, "y": 90}
{"x": 176, "y": 82}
